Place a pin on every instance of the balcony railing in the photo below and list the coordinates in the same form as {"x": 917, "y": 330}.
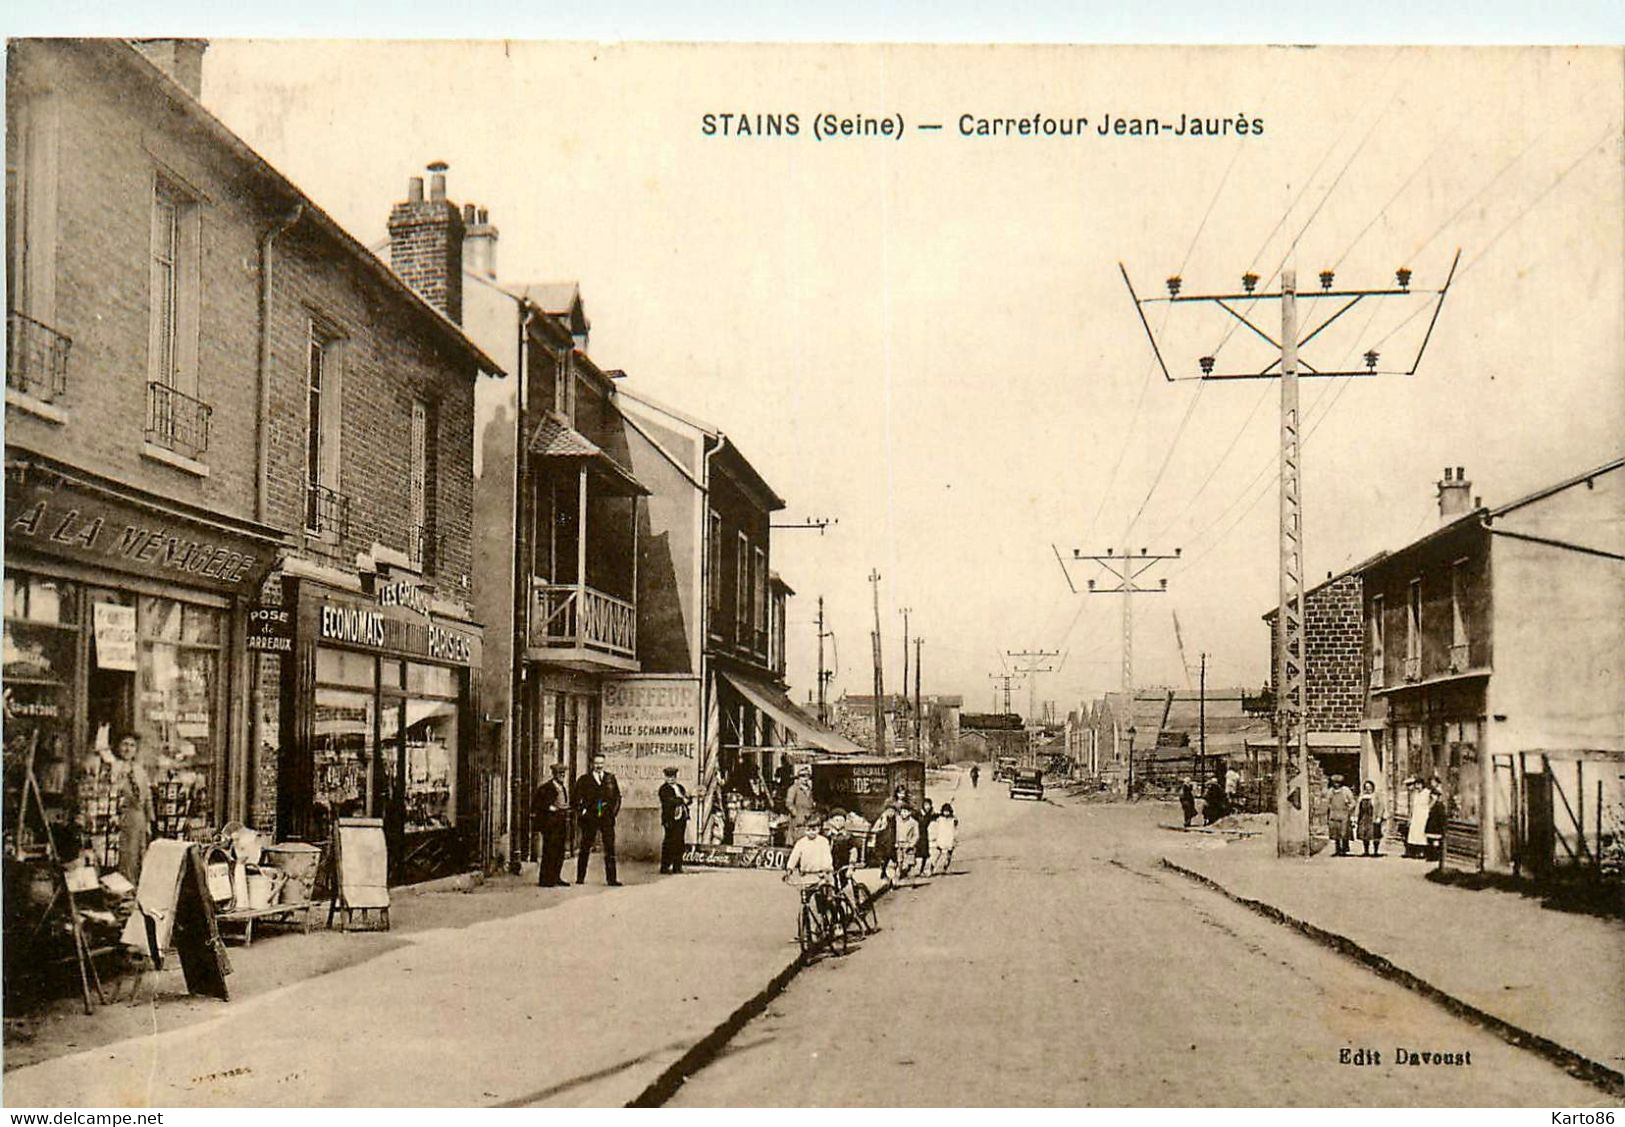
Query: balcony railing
{"x": 176, "y": 421}
{"x": 326, "y": 510}
{"x": 1413, "y": 668}
{"x": 36, "y": 358}
{"x": 573, "y": 615}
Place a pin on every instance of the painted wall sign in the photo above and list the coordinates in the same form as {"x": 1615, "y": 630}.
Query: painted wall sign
{"x": 647, "y": 724}
{"x": 270, "y": 630}
{"x": 106, "y": 530}
{"x": 401, "y": 593}
{"x": 115, "y": 637}
{"x": 389, "y": 629}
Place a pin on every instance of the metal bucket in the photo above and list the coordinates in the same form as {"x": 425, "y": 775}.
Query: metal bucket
{"x": 294, "y": 858}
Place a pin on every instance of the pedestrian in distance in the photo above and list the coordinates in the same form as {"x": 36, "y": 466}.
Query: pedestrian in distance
{"x": 1339, "y": 812}
{"x": 1213, "y": 805}
{"x": 944, "y": 836}
{"x": 1438, "y": 813}
{"x": 884, "y": 840}
{"x": 975, "y": 774}
{"x": 136, "y": 812}
{"x": 1416, "y": 833}
{"x": 550, "y": 808}
{"x": 1368, "y": 818}
{"x": 922, "y": 851}
{"x": 1187, "y": 801}
{"x": 673, "y": 822}
{"x": 907, "y": 843}
{"x": 798, "y": 802}
{"x": 598, "y": 804}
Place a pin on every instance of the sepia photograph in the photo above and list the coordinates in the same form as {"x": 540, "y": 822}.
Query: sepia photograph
{"x": 578, "y": 571}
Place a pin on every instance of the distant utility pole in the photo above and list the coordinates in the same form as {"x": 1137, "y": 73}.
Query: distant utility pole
{"x": 1127, "y": 569}
{"x": 880, "y": 683}
{"x": 1292, "y": 736}
{"x": 1031, "y": 672}
{"x": 918, "y": 642}
{"x": 1202, "y": 716}
{"x": 905, "y": 612}
{"x": 1005, "y": 678}
{"x": 824, "y": 675}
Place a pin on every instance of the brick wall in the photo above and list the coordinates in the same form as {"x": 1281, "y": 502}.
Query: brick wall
{"x": 426, "y": 249}
{"x": 1334, "y": 636}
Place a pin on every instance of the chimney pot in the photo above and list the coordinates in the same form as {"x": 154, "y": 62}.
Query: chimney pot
{"x": 414, "y": 190}
{"x": 437, "y": 186}
{"x": 468, "y": 214}
{"x": 1461, "y": 474}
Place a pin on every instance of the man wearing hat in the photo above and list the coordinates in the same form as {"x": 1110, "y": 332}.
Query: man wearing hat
{"x": 674, "y": 820}
{"x": 551, "y": 809}
{"x": 1339, "y": 810}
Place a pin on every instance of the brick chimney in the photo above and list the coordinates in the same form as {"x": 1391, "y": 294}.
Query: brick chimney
{"x": 426, "y": 243}
{"x": 181, "y": 59}
{"x": 479, "y": 242}
{"x": 1455, "y": 495}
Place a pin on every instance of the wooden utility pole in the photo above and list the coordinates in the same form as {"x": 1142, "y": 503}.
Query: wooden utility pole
{"x": 1291, "y": 758}
{"x": 824, "y": 675}
{"x": 880, "y": 681}
{"x": 903, "y": 707}
{"x": 1201, "y": 706}
{"x": 918, "y": 642}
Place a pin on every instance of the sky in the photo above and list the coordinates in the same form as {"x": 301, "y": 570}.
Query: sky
{"x": 928, "y": 337}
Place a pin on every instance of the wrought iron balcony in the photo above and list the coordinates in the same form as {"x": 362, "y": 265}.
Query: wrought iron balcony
{"x": 575, "y": 616}
{"x": 326, "y": 510}
{"x": 36, "y": 358}
{"x": 176, "y": 421}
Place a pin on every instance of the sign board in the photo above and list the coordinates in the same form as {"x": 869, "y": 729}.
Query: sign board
{"x": 115, "y": 637}
{"x": 363, "y": 863}
{"x": 647, "y": 724}
{"x": 394, "y": 628}
{"x": 737, "y": 856}
{"x": 866, "y": 784}
{"x": 270, "y": 630}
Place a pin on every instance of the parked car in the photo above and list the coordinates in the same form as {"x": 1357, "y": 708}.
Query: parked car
{"x": 1006, "y": 768}
{"x": 1028, "y": 782}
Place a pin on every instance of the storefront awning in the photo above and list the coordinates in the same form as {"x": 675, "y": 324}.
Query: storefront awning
{"x": 788, "y": 715}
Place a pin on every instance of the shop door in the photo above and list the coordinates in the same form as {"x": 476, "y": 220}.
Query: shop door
{"x": 1540, "y": 836}
{"x": 110, "y": 696}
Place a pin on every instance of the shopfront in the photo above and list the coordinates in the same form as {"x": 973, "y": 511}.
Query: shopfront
{"x": 123, "y": 615}
{"x": 1437, "y": 732}
{"x": 377, "y": 721}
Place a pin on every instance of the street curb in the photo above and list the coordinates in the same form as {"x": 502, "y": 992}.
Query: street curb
{"x": 1610, "y": 1080}
{"x": 705, "y": 1050}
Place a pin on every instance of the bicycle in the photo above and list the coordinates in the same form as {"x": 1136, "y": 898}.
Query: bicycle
{"x": 857, "y": 903}
{"x": 820, "y": 921}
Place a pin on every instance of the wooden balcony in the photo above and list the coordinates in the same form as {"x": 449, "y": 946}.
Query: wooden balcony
{"x": 575, "y": 625}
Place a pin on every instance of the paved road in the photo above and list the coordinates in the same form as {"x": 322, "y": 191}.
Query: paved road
{"x": 1059, "y": 965}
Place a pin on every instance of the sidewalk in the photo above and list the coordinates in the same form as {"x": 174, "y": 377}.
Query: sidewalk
{"x": 584, "y": 1000}
{"x": 1554, "y": 981}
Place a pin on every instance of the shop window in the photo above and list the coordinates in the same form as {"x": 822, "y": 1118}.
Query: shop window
{"x": 41, "y": 649}
{"x": 341, "y": 667}
{"x": 344, "y": 754}
{"x": 177, "y": 711}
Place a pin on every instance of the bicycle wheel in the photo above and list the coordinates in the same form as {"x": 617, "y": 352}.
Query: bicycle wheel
{"x": 835, "y": 931}
{"x": 867, "y": 915}
{"x": 808, "y": 928}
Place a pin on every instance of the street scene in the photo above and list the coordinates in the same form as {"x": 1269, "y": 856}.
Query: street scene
{"x": 546, "y": 574}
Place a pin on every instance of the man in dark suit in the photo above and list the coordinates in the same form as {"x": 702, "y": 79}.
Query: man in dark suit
{"x": 551, "y": 810}
{"x": 674, "y": 820}
{"x": 598, "y": 802}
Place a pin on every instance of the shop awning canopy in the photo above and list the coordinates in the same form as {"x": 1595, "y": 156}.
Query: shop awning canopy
{"x": 788, "y": 715}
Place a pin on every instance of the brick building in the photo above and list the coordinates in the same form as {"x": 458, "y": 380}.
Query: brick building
{"x": 218, "y": 403}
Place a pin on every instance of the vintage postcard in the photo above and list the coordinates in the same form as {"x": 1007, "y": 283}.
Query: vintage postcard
{"x": 569, "y": 574}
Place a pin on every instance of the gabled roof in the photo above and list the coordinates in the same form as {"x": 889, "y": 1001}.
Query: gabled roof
{"x": 559, "y": 299}
{"x": 739, "y": 465}
{"x": 555, "y": 438}
{"x": 1567, "y": 483}
{"x": 445, "y": 330}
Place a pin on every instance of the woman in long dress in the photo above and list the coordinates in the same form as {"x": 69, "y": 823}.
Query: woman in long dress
{"x": 1416, "y": 834}
{"x": 1368, "y": 819}
{"x": 135, "y": 807}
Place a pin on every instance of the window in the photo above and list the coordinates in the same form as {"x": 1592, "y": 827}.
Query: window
{"x": 1458, "y": 620}
{"x": 173, "y": 289}
{"x": 1413, "y": 632}
{"x": 742, "y": 591}
{"x": 326, "y": 509}
{"x": 713, "y": 568}
{"x": 759, "y": 598}
{"x": 1378, "y": 643}
{"x": 36, "y": 351}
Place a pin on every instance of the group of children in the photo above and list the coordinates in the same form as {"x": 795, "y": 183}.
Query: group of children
{"x": 905, "y": 846}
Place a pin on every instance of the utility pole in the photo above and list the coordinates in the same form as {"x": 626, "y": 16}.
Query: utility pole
{"x": 1127, "y": 569}
{"x": 1292, "y": 749}
{"x": 824, "y": 675}
{"x": 880, "y": 682}
{"x": 1201, "y": 707}
{"x": 1005, "y": 678}
{"x": 1031, "y": 672}
{"x": 905, "y": 612}
{"x": 918, "y": 642}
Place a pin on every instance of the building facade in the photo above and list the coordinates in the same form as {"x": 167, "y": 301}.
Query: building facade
{"x": 238, "y": 476}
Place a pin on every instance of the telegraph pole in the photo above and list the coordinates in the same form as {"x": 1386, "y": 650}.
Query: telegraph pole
{"x": 824, "y": 675}
{"x": 880, "y": 683}
{"x": 1031, "y": 672}
{"x": 1292, "y": 749}
{"x": 1005, "y": 678}
{"x": 905, "y": 612}
{"x": 1127, "y": 569}
{"x": 1202, "y": 716}
{"x": 918, "y": 642}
